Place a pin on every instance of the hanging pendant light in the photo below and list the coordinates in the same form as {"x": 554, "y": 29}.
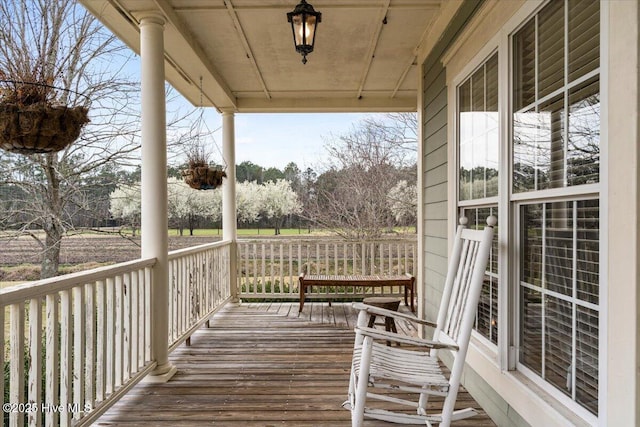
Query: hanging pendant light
{"x": 304, "y": 20}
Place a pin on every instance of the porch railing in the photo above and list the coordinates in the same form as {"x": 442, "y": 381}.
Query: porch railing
{"x": 269, "y": 268}
{"x": 199, "y": 284}
{"x": 73, "y": 345}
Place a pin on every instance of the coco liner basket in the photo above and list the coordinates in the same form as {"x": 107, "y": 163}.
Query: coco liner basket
{"x": 199, "y": 176}
{"x": 40, "y": 127}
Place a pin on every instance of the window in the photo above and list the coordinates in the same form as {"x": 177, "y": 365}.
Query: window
{"x": 556, "y": 119}
{"x": 478, "y": 133}
{"x": 478, "y": 144}
{"x": 556, "y": 145}
{"x": 559, "y": 296}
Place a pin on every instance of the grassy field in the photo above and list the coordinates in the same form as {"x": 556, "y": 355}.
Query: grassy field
{"x": 20, "y": 258}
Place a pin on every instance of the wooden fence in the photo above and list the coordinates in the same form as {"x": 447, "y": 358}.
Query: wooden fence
{"x": 269, "y": 268}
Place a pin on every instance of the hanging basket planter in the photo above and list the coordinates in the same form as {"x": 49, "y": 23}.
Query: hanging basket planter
{"x": 34, "y": 120}
{"x": 39, "y": 128}
{"x": 200, "y": 176}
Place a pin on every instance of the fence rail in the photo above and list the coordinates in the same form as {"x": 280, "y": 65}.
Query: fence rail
{"x": 269, "y": 268}
{"x": 73, "y": 345}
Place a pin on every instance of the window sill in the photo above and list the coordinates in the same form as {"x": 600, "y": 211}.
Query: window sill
{"x": 532, "y": 403}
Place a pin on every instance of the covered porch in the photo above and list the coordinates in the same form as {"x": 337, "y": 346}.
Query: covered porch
{"x": 578, "y": 362}
{"x": 259, "y": 364}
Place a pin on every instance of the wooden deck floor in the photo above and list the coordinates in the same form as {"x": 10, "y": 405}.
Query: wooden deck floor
{"x": 259, "y": 365}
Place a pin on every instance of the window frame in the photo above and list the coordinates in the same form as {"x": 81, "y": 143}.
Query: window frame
{"x": 505, "y": 355}
{"x": 565, "y": 193}
{"x": 488, "y": 202}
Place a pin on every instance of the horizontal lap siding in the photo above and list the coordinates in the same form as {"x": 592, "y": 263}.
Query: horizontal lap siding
{"x": 435, "y": 186}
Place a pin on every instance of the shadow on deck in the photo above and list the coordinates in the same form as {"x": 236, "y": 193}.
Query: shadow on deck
{"x": 260, "y": 365}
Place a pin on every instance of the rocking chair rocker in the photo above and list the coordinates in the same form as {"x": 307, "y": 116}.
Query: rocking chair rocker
{"x": 384, "y": 373}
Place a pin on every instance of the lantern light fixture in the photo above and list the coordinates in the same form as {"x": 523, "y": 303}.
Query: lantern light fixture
{"x": 304, "y": 21}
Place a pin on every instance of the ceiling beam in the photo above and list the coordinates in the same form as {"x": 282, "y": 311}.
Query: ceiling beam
{"x": 403, "y": 76}
{"x": 372, "y": 46}
{"x": 188, "y": 38}
{"x": 325, "y": 105}
{"x": 247, "y": 48}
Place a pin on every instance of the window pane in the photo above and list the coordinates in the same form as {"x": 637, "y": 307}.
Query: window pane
{"x": 567, "y": 234}
{"x": 487, "y": 316}
{"x": 531, "y": 244}
{"x": 479, "y": 145}
{"x": 525, "y": 147}
{"x": 465, "y": 132}
{"x": 493, "y": 140}
{"x": 583, "y": 151}
{"x": 554, "y": 147}
{"x": 587, "y": 358}
{"x": 559, "y": 247}
{"x": 531, "y": 329}
{"x": 584, "y": 37}
{"x": 478, "y": 133}
{"x": 588, "y": 251}
{"x": 492, "y": 83}
{"x": 551, "y": 48}
{"x": 550, "y": 160}
{"x": 524, "y": 66}
{"x": 558, "y": 343}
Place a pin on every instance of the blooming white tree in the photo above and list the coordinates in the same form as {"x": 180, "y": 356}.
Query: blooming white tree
{"x": 277, "y": 200}
{"x": 248, "y": 201}
{"x": 125, "y": 203}
{"x": 403, "y": 202}
{"x": 187, "y": 206}
{"x": 272, "y": 201}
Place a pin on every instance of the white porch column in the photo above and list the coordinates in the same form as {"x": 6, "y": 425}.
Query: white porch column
{"x": 229, "y": 215}
{"x": 154, "y": 222}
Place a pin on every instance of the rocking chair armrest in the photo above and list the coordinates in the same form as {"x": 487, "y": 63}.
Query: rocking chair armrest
{"x": 403, "y": 339}
{"x": 395, "y": 314}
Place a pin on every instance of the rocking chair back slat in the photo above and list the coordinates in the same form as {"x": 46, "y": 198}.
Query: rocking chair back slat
{"x": 461, "y": 288}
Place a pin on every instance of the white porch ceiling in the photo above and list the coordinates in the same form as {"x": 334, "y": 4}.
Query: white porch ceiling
{"x": 243, "y": 51}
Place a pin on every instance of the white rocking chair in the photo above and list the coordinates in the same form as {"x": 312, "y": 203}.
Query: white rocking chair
{"x": 381, "y": 372}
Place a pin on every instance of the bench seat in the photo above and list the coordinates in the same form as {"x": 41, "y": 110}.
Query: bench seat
{"x": 407, "y": 281}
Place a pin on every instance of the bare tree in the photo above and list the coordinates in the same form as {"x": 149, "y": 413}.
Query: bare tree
{"x": 351, "y": 197}
{"x": 60, "y": 45}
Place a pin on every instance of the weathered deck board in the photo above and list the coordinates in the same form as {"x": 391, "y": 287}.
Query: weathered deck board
{"x": 259, "y": 365}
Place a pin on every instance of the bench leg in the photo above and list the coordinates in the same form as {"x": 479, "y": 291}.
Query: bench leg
{"x": 409, "y": 291}
{"x": 406, "y": 302}
{"x": 301, "y": 298}
{"x": 413, "y": 309}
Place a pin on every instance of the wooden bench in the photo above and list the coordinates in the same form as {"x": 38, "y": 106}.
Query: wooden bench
{"x": 407, "y": 281}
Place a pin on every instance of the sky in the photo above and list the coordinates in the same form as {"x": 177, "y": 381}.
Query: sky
{"x": 277, "y": 139}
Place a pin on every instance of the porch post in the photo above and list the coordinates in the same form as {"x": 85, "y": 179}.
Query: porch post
{"x": 154, "y": 222}
{"x": 229, "y": 216}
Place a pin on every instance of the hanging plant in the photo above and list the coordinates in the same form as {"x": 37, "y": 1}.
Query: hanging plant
{"x": 199, "y": 175}
{"x": 33, "y": 121}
